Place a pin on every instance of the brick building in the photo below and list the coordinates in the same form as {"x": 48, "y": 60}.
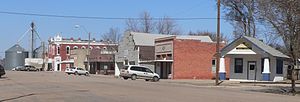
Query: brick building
{"x": 139, "y": 49}
{"x": 186, "y": 58}
{"x": 102, "y": 61}
{"x": 59, "y": 51}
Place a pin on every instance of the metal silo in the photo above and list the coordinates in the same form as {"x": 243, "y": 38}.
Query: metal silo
{"x": 15, "y": 56}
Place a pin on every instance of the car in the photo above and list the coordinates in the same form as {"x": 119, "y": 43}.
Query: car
{"x": 2, "y": 71}
{"x": 76, "y": 71}
{"x": 138, "y": 72}
{"x": 19, "y": 68}
{"x": 30, "y": 68}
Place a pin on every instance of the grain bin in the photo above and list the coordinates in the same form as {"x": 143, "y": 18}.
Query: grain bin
{"x": 15, "y": 56}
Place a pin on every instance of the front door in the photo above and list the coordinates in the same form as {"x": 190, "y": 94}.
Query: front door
{"x": 251, "y": 70}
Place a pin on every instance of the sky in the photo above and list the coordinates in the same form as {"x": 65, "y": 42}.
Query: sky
{"x": 12, "y": 27}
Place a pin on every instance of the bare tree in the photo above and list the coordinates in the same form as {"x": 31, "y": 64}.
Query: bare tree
{"x": 147, "y": 22}
{"x": 283, "y": 16}
{"x": 241, "y": 14}
{"x": 144, "y": 24}
{"x": 212, "y": 35}
{"x": 167, "y": 26}
{"x": 132, "y": 25}
{"x": 112, "y": 36}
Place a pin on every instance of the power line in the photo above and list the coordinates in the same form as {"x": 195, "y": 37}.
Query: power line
{"x": 99, "y": 18}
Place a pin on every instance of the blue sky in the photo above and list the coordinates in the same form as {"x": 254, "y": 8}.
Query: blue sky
{"x": 12, "y": 27}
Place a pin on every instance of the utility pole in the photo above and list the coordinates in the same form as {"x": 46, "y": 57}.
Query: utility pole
{"x": 88, "y": 52}
{"x": 218, "y": 44}
{"x": 43, "y": 56}
{"x": 31, "y": 40}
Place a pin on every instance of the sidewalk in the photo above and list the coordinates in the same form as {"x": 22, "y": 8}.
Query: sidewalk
{"x": 265, "y": 87}
{"x": 228, "y": 83}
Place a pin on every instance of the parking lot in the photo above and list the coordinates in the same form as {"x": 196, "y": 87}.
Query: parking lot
{"x": 60, "y": 87}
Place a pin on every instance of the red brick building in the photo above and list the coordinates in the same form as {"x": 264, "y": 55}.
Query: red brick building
{"x": 182, "y": 58}
{"x": 59, "y": 50}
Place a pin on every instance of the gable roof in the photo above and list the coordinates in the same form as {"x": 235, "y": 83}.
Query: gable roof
{"x": 259, "y": 44}
{"x": 147, "y": 39}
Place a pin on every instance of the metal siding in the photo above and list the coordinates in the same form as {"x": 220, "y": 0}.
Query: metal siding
{"x": 15, "y": 56}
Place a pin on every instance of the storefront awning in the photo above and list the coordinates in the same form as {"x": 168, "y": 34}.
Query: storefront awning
{"x": 67, "y": 61}
{"x": 163, "y": 60}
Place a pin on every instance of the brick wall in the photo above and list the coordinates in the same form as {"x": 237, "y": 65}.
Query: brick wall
{"x": 193, "y": 59}
{"x": 63, "y": 51}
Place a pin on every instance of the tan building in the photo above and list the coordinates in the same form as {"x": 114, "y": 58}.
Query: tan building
{"x": 79, "y": 56}
{"x": 101, "y": 60}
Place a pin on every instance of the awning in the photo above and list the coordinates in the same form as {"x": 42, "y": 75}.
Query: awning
{"x": 67, "y": 61}
{"x": 151, "y": 61}
{"x": 163, "y": 60}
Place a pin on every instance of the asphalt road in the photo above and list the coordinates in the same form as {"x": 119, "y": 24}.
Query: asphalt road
{"x": 59, "y": 87}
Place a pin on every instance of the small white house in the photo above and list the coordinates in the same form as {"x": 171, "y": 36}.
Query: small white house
{"x": 251, "y": 59}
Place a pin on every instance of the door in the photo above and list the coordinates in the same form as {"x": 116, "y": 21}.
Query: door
{"x": 149, "y": 74}
{"x": 164, "y": 71}
{"x": 251, "y": 70}
{"x": 138, "y": 71}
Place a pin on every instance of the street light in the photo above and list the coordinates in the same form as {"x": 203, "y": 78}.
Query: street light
{"x": 88, "y": 50}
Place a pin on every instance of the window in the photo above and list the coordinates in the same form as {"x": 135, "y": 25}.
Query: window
{"x": 136, "y": 68}
{"x": 131, "y": 63}
{"x": 58, "y": 67}
{"x": 238, "y": 65}
{"x": 148, "y": 70}
{"x": 262, "y": 64}
{"x": 125, "y": 67}
{"x": 213, "y": 63}
{"x": 279, "y": 66}
{"x": 143, "y": 69}
{"x": 126, "y": 62}
{"x": 68, "y": 49}
{"x": 83, "y": 47}
{"x": 75, "y": 47}
{"x": 58, "y": 50}
{"x": 252, "y": 67}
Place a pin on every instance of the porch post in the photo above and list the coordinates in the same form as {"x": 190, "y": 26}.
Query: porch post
{"x": 266, "y": 71}
{"x": 222, "y": 71}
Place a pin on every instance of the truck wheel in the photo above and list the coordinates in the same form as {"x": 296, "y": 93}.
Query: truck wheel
{"x": 133, "y": 77}
{"x": 155, "y": 79}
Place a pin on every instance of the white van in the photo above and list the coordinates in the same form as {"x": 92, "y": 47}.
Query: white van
{"x": 138, "y": 72}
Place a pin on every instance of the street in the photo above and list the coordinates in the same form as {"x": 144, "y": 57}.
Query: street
{"x": 60, "y": 87}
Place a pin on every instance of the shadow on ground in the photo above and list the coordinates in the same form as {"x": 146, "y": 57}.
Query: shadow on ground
{"x": 277, "y": 90}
